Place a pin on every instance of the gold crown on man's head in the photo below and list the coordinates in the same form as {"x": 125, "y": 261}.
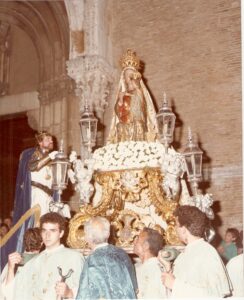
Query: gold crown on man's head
{"x": 41, "y": 134}
{"x": 129, "y": 59}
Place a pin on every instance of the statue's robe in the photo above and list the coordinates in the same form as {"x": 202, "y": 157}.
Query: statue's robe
{"x": 199, "y": 272}
{"x": 108, "y": 273}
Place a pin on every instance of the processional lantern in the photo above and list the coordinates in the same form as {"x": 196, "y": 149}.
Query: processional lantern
{"x": 193, "y": 162}
{"x": 60, "y": 167}
{"x": 166, "y": 123}
{"x": 88, "y": 127}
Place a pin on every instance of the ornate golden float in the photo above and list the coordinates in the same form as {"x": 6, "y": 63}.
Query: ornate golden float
{"x": 126, "y": 223}
{"x": 137, "y": 180}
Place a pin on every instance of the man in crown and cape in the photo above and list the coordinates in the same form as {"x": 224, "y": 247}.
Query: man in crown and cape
{"x": 134, "y": 117}
{"x": 33, "y": 193}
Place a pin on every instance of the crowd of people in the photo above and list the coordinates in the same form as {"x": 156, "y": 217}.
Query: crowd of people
{"x": 48, "y": 270}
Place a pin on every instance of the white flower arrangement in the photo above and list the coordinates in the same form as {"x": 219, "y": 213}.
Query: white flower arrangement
{"x": 134, "y": 155}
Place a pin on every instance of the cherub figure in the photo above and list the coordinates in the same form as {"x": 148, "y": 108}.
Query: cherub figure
{"x": 172, "y": 170}
{"x": 81, "y": 176}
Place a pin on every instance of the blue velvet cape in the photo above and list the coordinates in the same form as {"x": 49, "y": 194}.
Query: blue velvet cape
{"x": 22, "y": 204}
{"x": 108, "y": 273}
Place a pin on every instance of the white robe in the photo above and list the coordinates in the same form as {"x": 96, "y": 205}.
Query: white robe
{"x": 37, "y": 278}
{"x": 235, "y": 268}
{"x": 200, "y": 272}
{"x": 149, "y": 280}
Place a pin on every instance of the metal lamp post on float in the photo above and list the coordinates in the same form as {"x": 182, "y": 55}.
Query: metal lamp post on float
{"x": 60, "y": 167}
{"x": 88, "y": 127}
{"x": 166, "y": 124}
{"x": 193, "y": 162}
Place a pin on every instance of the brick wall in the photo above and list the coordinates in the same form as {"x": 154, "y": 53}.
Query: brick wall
{"x": 192, "y": 51}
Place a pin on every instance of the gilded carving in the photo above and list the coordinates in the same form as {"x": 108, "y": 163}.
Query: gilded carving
{"x": 112, "y": 205}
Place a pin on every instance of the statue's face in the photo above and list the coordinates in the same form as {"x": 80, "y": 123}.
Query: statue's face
{"x": 129, "y": 80}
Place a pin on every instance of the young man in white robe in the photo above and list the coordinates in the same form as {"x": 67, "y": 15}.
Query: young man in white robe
{"x": 198, "y": 271}
{"x": 235, "y": 268}
{"x": 147, "y": 245}
{"x": 40, "y": 278}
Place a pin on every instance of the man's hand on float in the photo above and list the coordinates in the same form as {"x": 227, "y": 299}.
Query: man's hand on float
{"x": 52, "y": 154}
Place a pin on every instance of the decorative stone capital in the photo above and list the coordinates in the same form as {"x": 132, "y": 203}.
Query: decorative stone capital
{"x": 55, "y": 89}
{"x": 94, "y": 78}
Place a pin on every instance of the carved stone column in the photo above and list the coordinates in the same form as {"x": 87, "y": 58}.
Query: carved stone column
{"x": 53, "y": 97}
{"x": 89, "y": 62}
{"x": 93, "y": 77}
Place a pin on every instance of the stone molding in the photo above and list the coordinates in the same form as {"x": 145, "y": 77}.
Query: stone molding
{"x": 55, "y": 89}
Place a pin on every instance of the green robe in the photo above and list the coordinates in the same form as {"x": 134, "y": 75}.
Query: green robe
{"x": 108, "y": 273}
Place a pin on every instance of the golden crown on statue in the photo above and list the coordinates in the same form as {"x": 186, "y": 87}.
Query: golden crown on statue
{"x": 129, "y": 59}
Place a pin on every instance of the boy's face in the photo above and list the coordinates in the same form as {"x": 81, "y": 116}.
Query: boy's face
{"x": 229, "y": 237}
{"x": 51, "y": 235}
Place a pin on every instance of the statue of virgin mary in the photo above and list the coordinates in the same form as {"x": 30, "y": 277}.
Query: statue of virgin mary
{"x": 134, "y": 117}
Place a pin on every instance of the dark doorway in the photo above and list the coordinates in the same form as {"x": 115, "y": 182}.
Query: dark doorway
{"x": 15, "y": 136}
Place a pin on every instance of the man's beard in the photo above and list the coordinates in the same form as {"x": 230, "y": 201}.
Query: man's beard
{"x": 48, "y": 148}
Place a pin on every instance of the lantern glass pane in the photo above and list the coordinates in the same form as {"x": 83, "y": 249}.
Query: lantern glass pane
{"x": 160, "y": 124}
{"x": 85, "y": 131}
{"x": 89, "y": 130}
{"x": 166, "y": 124}
{"x": 93, "y": 130}
{"x": 198, "y": 164}
{"x": 170, "y": 125}
{"x": 189, "y": 165}
{"x": 60, "y": 174}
